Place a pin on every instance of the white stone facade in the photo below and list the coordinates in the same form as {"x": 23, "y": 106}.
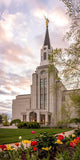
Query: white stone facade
{"x": 44, "y": 103}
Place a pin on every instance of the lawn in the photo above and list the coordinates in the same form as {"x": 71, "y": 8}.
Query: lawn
{"x": 12, "y": 135}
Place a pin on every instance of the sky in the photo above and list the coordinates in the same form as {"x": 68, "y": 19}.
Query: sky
{"x": 22, "y": 32}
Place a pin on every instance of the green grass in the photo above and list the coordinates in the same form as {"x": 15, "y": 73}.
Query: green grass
{"x": 12, "y": 135}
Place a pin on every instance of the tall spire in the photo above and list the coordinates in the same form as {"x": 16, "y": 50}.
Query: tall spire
{"x": 47, "y": 40}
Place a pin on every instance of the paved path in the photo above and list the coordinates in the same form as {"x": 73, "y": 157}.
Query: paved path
{"x": 9, "y": 127}
{"x": 67, "y": 133}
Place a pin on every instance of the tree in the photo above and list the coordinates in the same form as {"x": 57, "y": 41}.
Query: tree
{"x": 73, "y": 62}
{"x": 1, "y": 119}
{"x": 68, "y": 60}
{"x": 5, "y": 119}
{"x": 75, "y": 97}
{"x": 66, "y": 112}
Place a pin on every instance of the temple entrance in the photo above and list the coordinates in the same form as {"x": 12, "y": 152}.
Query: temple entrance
{"x": 42, "y": 119}
{"x": 33, "y": 117}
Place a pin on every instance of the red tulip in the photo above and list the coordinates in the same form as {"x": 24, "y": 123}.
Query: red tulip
{"x": 34, "y": 148}
{"x": 71, "y": 144}
{"x": 3, "y": 147}
{"x": 34, "y": 143}
{"x": 17, "y": 144}
{"x": 60, "y": 137}
{"x": 78, "y": 138}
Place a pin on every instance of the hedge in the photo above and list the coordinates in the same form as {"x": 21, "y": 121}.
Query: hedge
{"x": 28, "y": 125}
{"x": 15, "y": 121}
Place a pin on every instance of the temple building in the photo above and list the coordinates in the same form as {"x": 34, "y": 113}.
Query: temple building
{"x": 46, "y": 99}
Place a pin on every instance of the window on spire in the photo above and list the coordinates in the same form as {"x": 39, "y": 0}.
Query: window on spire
{"x": 44, "y": 55}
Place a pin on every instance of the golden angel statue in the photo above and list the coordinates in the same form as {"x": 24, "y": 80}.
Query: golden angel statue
{"x": 47, "y": 21}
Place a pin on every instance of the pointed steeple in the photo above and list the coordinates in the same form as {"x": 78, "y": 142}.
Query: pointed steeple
{"x": 47, "y": 40}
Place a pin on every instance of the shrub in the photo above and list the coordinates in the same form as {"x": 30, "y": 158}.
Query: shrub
{"x": 45, "y": 140}
{"x": 15, "y": 121}
{"x": 27, "y": 125}
{"x": 76, "y": 154}
{"x": 75, "y": 120}
{"x": 5, "y": 123}
{"x": 77, "y": 132}
{"x": 1, "y": 120}
{"x": 63, "y": 156}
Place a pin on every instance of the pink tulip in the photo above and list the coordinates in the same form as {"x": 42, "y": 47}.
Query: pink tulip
{"x": 33, "y": 132}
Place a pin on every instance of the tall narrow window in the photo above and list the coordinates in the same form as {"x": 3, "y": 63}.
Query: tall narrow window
{"x": 43, "y": 93}
{"x": 45, "y": 82}
{"x": 44, "y": 55}
{"x": 41, "y": 83}
{"x": 41, "y": 99}
{"x": 45, "y": 100}
{"x": 24, "y": 118}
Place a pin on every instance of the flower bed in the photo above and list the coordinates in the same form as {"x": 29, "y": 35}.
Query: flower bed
{"x": 44, "y": 147}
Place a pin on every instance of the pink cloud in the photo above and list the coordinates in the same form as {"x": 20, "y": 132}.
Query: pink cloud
{"x": 4, "y": 2}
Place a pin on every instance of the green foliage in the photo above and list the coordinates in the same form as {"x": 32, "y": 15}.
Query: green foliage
{"x": 63, "y": 156}
{"x": 75, "y": 120}
{"x": 21, "y": 154}
{"x": 15, "y": 121}
{"x": 57, "y": 151}
{"x": 68, "y": 59}
{"x": 75, "y": 97}
{"x": 45, "y": 140}
{"x": 77, "y": 132}
{"x": 1, "y": 119}
{"x": 28, "y": 125}
{"x": 66, "y": 113}
{"x": 11, "y": 135}
{"x": 76, "y": 155}
{"x": 5, "y": 119}
{"x": 5, "y": 123}
{"x": 73, "y": 52}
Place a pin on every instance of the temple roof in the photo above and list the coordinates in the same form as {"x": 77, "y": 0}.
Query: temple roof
{"x": 47, "y": 40}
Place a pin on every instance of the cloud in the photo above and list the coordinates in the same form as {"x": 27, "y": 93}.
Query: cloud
{"x": 5, "y": 3}
{"x": 14, "y": 27}
{"x": 4, "y": 93}
{"x": 56, "y": 15}
{"x": 22, "y": 32}
{"x": 6, "y": 108}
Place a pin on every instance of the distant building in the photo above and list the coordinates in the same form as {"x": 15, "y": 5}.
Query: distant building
{"x": 42, "y": 105}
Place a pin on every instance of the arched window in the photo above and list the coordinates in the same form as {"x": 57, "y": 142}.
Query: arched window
{"x": 43, "y": 72}
{"x": 33, "y": 117}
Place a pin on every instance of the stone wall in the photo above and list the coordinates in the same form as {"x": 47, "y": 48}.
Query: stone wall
{"x": 20, "y": 105}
